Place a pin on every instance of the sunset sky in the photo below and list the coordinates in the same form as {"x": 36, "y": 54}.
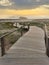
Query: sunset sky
{"x": 12, "y": 8}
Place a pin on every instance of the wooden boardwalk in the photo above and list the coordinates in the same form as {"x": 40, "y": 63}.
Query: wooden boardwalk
{"x": 28, "y": 50}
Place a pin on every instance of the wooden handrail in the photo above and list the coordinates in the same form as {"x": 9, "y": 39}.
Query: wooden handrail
{"x": 7, "y": 34}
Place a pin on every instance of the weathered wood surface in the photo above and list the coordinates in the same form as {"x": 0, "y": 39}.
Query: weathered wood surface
{"x": 28, "y": 50}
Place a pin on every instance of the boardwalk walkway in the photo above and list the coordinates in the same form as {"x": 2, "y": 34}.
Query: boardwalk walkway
{"x": 28, "y": 50}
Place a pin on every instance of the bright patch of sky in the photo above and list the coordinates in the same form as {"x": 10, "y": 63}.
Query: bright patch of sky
{"x": 11, "y": 7}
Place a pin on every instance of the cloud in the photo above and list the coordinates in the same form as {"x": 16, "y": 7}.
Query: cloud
{"x": 45, "y": 6}
{"x": 38, "y": 0}
{"x": 29, "y": 4}
{"x": 23, "y": 4}
{"x": 5, "y": 3}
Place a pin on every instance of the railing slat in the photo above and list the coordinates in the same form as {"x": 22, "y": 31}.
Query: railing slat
{"x": 2, "y": 46}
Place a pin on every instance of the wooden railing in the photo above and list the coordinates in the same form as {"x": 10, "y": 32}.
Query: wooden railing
{"x": 2, "y": 42}
{"x": 46, "y": 40}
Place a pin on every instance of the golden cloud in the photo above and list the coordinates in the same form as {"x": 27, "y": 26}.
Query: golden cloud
{"x": 38, "y": 11}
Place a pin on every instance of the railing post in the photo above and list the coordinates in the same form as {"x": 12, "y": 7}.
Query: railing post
{"x": 45, "y": 39}
{"x": 21, "y": 31}
{"x": 2, "y": 46}
{"x": 28, "y": 26}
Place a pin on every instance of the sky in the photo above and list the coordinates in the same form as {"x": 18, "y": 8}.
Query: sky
{"x": 30, "y": 8}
